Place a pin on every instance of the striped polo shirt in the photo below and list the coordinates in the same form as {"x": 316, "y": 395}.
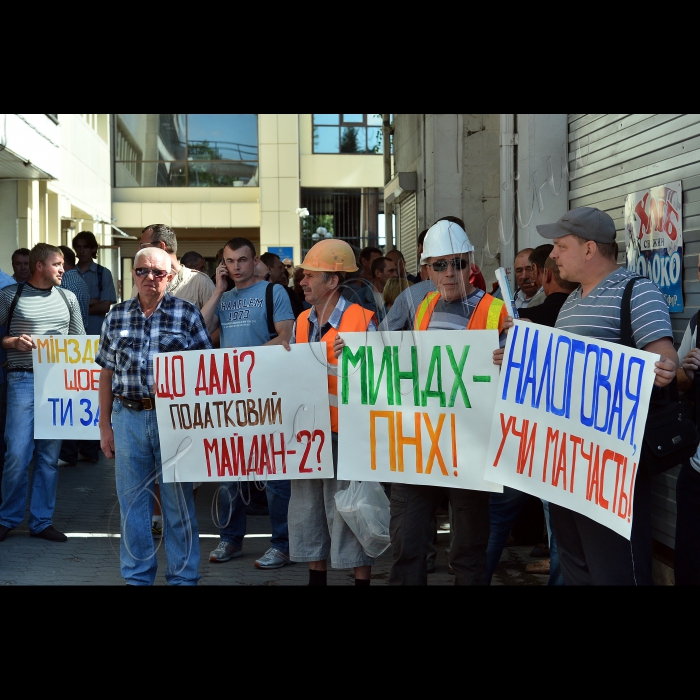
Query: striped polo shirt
{"x": 597, "y": 315}
{"x": 39, "y": 312}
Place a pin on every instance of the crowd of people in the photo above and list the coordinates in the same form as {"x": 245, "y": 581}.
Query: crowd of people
{"x": 573, "y": 283}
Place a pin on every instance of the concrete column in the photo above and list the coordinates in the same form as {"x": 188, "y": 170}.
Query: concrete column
{"x": 9, "y": 239}
{"x": 480, "y": 195}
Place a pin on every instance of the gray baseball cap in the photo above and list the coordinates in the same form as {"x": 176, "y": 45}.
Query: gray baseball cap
{"x": 588, "y": 223}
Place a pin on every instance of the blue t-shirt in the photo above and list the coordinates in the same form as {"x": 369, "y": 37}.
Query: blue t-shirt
{"x": 243, "y": 316}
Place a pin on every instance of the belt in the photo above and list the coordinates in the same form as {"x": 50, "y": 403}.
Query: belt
{"x": 147, "y": 404}
{"x": 19, "y": 369}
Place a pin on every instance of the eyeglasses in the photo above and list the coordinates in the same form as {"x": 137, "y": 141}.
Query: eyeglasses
{"x": 288, "y": 266}
{"x": 457, "y": 264}
{"x": 144, "y": 272}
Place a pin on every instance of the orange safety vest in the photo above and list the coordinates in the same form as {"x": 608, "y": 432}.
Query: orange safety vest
{"x": 354, "y": 318}
{"x": 490, "y": 313}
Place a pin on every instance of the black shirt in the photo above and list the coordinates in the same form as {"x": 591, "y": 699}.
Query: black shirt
{"x": 546, "y": 313}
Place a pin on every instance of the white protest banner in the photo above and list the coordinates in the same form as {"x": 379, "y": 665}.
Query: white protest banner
{"x": 244, "y": 413}
{"x": 66, "y": 382}
{"x": 569, "y": 421}
{"x": 416, "y": 408}
{"x": 654, "y": 239}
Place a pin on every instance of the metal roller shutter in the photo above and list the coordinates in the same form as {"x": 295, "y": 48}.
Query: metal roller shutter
{"x": 408, "y": 231}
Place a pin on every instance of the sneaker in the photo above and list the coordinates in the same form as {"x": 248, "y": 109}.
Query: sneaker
{"x": 224, "y": 552}
{"x": 156, "y": 529}
{"x": 273, "y": 559}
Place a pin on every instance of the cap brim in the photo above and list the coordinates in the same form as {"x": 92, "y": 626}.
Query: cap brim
{"x": 551, "y": 231}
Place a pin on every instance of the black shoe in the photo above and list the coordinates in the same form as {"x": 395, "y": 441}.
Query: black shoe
{"x": 51, "y": 534}
{"x": 85, "y": 458}
{"x": 4, "y": 532}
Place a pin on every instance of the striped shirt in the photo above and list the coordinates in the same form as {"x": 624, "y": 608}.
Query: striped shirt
{"x": 129, "y": 340}
{"x": 38, "y": 312}
{"x": 446, "y": 316}
{"x": 403, "y": 311}
{"x": 597, "y": 315}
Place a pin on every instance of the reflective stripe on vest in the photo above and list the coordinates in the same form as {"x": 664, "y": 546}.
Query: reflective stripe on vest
{"x": 354, "y": 318}
{"x": 485, "y": 317}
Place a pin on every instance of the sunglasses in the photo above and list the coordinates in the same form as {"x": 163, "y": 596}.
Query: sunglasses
{"x": 144, "y": 272}
{"x": 457, "y": 264}
{"x": 288, "y": 266}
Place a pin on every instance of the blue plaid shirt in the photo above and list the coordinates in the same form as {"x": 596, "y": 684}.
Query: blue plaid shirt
{"x": 129, "y": 340}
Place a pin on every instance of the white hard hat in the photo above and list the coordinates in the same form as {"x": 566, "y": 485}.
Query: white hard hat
{"x": 445, "y": 238}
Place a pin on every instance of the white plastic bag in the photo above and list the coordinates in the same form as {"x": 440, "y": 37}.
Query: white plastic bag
{"x": 365, "y": 508}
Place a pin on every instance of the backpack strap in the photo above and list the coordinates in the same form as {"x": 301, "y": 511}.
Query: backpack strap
{"x": 12, "y": 307}
{"x": 100, "y": 275}
{"x": 65, "y": 299}
{"x": 626, "y": 335}
{"x": 270, "y": 309}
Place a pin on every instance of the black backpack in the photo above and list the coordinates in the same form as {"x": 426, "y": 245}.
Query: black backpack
{"x": 670, "y": 435}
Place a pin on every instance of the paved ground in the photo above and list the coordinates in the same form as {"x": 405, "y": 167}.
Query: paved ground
{"x": 86, "y": 510}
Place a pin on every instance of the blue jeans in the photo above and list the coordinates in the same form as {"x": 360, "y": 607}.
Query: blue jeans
{"x": 233, "y": 497}
{"x": 504, "y": 510}
{"x": 3, "y": 416}
{"x": 137, "y": 461}
{"x": 21, "y": 448}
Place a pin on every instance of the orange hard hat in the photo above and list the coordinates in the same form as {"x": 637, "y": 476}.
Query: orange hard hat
{"x": 330, "y": 255}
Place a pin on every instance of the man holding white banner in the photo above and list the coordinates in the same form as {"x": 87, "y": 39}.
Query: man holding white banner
{"x": 317, "y": 531}
{"x": 456, "y": 305}
{"x": 585, "y": 251}
{"x": 37, "y": 307}
{"x": 132, "y": 333}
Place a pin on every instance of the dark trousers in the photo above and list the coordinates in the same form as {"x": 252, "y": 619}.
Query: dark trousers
{"x": 69, "y": 450}
{"x": 592, "y": 554}
{"x": 412, "y": 512}
{"x": 687, "y": 556}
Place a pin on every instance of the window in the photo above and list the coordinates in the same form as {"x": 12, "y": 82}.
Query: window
{"x": 186, "y": 150}
{"x": 347, "y": 133}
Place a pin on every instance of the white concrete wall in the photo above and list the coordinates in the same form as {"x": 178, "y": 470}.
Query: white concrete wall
{"x": 34, "y": 138}
{"x": 278, "y": 136}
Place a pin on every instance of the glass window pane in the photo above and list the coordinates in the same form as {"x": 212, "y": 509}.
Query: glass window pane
{"x": 168, "y": 174}
{"x": 352, "y": 139}
{"x": 126, "y": 174}
{"x": 329, "y": 119}
{"x": 353, "y": 118}
{"x": 222, "y": 174}
{"x": 150, "y": 137}
{"x": 374, "y": 140}
{"x": 374, "y": 120}
{"x": 222, "y": 136}
{"x": 326, "y": 139}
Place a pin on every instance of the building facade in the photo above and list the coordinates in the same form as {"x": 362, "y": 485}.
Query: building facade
{"x": 272, "y": 178}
